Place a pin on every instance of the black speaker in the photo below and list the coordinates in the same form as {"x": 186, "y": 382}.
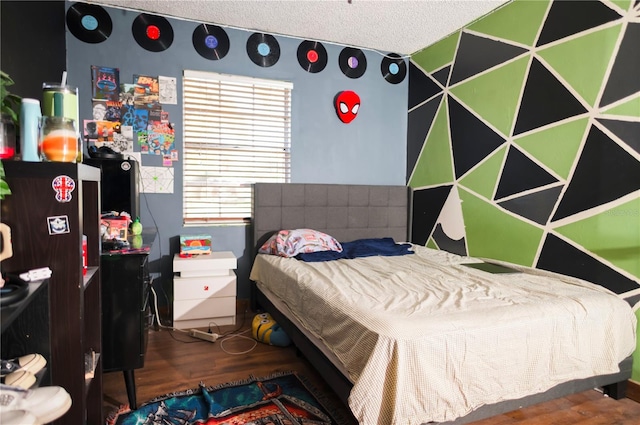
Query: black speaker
{"x": 119, "y": 185}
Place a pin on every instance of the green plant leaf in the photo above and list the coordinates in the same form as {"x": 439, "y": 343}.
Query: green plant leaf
{"x": 4, "y": 189}
{"x": 9, "y": 102}
{"x": 6, "y": 80}
{"x": 4, "y": 186}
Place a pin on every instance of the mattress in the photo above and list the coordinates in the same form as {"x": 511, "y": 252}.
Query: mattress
{"x": 424, "y": 337}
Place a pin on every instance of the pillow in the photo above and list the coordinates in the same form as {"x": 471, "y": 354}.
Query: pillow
{"x": 289, "y": 243}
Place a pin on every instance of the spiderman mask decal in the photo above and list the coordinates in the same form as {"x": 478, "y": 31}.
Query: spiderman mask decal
{"x": 347, "y": 104}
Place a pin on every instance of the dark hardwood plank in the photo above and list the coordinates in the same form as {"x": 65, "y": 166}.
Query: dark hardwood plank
{"x": 175, "y": 362}
{"x": 586, "y": 408}
{"x": 633, "y": 391}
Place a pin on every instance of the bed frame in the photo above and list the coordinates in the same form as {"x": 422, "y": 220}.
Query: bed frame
{"x": 350, "y": 212}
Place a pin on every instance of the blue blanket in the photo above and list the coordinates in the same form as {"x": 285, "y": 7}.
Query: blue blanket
{"x": 386, "y": 247}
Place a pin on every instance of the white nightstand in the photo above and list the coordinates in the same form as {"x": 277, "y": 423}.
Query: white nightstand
{"x": 204, "y": 290}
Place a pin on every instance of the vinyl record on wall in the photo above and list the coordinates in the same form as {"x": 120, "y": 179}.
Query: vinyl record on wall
{"x": 393, "y": 68}
{"x": 153, "y": 33}
{"x": 210, "y": 41}
{"x": 352, "y": 62}
{"x": 263, "y": 49}
{"x": 89, "y": 22}
{"x": 312, "y": 56}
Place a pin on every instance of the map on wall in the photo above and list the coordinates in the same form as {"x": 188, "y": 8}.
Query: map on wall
{"x": 156, "y": 179}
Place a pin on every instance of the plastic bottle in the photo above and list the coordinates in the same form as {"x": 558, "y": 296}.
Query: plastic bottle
{"x": 29, "y": 120}
{"x": 136, "y": 227}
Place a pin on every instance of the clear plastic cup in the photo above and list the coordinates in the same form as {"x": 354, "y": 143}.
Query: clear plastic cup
{"x": 58, "y": 139}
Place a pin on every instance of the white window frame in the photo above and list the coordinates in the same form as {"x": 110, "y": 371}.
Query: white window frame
{"x": 237, "y": 131}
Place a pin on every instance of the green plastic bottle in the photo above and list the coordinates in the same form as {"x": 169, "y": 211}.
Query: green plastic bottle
{"x": 136, "y": 241}
{"x": 136, "y": 227}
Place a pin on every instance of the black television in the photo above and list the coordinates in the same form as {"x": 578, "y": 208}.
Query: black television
{"x": 119, "y": 184}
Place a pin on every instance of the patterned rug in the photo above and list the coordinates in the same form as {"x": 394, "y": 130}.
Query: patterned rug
{"x": 282, "y": 399}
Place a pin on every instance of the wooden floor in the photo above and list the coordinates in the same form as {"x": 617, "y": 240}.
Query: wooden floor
{"x": 175, "y": 361}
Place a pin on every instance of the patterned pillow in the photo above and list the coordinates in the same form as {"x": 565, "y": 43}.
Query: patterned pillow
{"x": 289, "y": 243}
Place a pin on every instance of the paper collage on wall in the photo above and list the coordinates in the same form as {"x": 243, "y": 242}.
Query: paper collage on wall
{"x": 128, "y": 113}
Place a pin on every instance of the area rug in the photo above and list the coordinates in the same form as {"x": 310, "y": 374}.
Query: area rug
{"x": 282, "y": 399}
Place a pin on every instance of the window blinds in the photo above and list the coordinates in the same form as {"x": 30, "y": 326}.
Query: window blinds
{"x": 237, "y": 131}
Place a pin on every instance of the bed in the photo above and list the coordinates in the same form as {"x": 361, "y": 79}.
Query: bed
{"x": 478, "y": 350}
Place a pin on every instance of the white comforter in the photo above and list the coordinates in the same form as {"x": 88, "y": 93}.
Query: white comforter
{"x": 424, "y": 338}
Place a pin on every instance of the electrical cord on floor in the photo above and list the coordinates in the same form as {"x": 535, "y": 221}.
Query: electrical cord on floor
{"x": 170, "y": 328}
{"x": 244, "y": 319}
{"x": 224, "y": 337}
{"x": 156, "y": 310}
{"x": 155, "y": 307}
{"x": 238, "y": 335}
{"x": 216, "y": 325}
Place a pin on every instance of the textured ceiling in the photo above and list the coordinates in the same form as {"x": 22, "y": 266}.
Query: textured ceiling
{"x": 399, "y": 26}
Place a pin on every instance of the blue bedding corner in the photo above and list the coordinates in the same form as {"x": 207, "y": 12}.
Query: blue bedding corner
{"x": 385, "y": 247}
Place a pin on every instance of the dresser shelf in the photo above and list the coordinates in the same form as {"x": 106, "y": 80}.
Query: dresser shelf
{"x": 63, "y": 319}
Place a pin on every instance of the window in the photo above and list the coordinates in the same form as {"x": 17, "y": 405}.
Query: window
{"x": 237, "y": 131}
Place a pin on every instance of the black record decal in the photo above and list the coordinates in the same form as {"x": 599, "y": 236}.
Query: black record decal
{"x": 353, "y": 62}
{"x": 312, "y": 56}
{"x": 210, "y": 41}
{"x": 393, "y": 68}
{"x": 263, "y": 49}
{"x": 152, "y": 32}
{"x": 89, "y": 22}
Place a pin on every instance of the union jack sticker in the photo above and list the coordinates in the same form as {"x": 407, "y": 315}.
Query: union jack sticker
{"x": 58, "y": 225}
{"x": 63, "y": 186}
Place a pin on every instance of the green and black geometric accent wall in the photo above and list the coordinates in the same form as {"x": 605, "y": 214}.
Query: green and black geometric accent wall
{"x": 523, "y": 139}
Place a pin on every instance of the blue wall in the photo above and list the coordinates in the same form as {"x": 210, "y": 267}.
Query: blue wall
{"x": 370, "y": 150}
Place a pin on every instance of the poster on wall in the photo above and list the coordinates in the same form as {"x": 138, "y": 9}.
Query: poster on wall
{"x": 168, "y": 91}
{"x": 140, "y": 120}
{"x": 156, "y": 179}
{"x": 147, "y": 90}
{"x": 114, "y": 111}
{"x": 100, "y": 130}
{"x": 123, "y": 141}
{"x": 127, "y": 108}
{"x": 160, "y": 139}
{"x": 105, "y": 82}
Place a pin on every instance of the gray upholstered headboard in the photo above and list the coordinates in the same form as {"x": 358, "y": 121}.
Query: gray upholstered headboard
{"x": 346, "y": 212}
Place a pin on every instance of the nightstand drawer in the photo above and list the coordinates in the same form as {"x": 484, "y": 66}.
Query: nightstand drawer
{"x": 189, "y": 288}
{"x": 207, "y": 308}
{"x": 213, "y": 264}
